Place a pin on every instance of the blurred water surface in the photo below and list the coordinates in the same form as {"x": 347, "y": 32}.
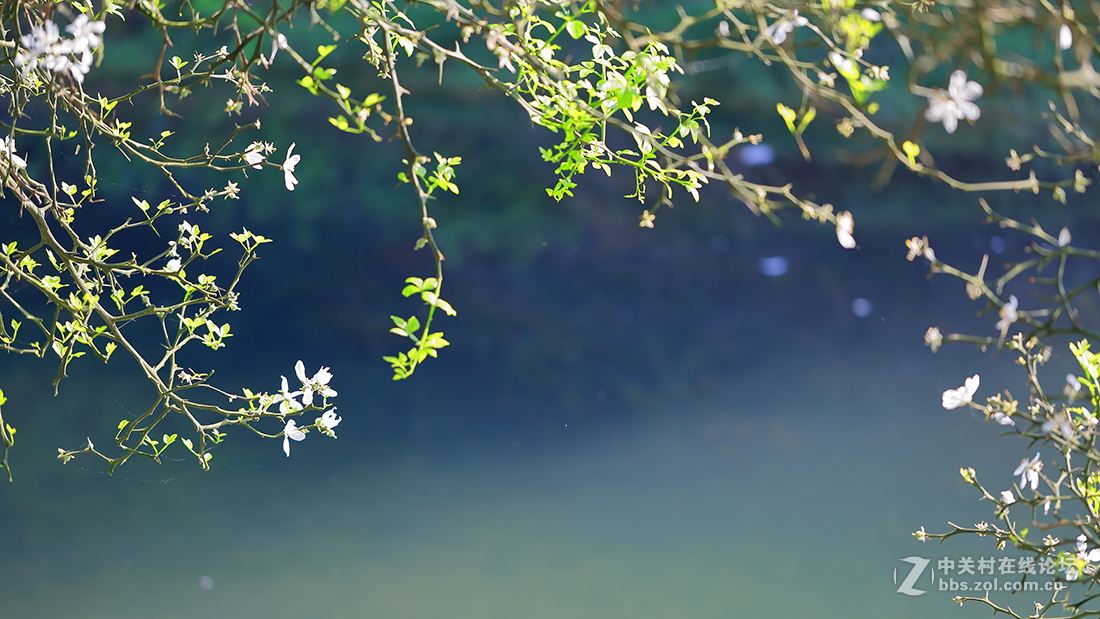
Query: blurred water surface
{"x": 787, "y": 485}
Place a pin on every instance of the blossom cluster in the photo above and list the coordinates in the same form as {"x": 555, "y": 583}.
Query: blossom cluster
{"x": 289, "y": 404}
{"x": 257, "y": 152}
{"x": 44, "y": 47}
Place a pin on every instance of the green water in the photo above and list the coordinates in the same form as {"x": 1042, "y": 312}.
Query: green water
{"x": 778, "y": 498}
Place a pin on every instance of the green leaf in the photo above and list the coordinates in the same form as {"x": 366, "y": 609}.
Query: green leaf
{"x": 575, "y": 29}
{"x": 431, "y": 299}
{"x": 322, "y": 51}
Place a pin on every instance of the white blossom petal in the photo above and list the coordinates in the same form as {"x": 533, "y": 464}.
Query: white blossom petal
{"x": 291, "y": 431}
{"x": 954, "y": 398}
{"x": 1065, "y": 37}
{"x": 288, "y": 168}
{"x": 329, "y": 419}
{"x": 844, "y": 226}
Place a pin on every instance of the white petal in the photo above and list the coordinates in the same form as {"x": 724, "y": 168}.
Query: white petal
{"x": 952, "y": 399}
{"x": 289, "y": 179}
{"x": 969, "y": 110}
{"x": 1008, "y": 497}
{"x": 292, "y": 431}
{"x": 957, "y": 82}
{"x": 847, "y": 241}
{"x": 286, "y": 387}
{"x": 1021, "y": 468}
{"x": 969, "y": 92}
{"x": 844, "y": 226}
{"x": 322, "y": 376}
{"x": 300, "y": 371}
{"x": 971, "y": 386}
{"x": 1065, "y": 37}
{"x": 307, "y": 397}
{"x": 329, "y": 419}
{"x": 291, "y": 159}
{"x": 286, "y": 445}
{"x": 934, "y": 113}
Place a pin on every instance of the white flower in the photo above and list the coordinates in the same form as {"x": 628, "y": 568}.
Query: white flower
{"x": 1008, "y": 315}
{"x": 1065, "y": 37}
{"x": 45, "y": 47}
{"x": 288, "y": 168}
{"x": 7, "y": 147}
{"x": 1061, "y": 423}
{"x": 1064, "y": 237}
{"x": 1072, "y": 388}
{"x": 1002, "y": 419}
{"x": 291, "y": 432}
{"x": 1046, "y": 507}
{"x": 329, "y": 419}
{"x": 1029, "y": 472}
{"x": 870, "y": 15}
{"x": 173, "y": 265}
{"x": 287, "y": 403}
{"x": 317, "y": 384}
{"x": 1084, "y": 555}
{"x": 954, "y": 398}
{"x": 778, "y": 31}
{"x": 39, "y": 42}
{"x": 1008, "y": 497}
{"x": 85, "y": 34}
{"x": 957, "y": 102}
{"x": 844, "y": 225}
{"x": 254, "y": 155}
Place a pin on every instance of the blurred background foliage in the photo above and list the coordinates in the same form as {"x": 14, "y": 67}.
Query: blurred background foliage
{"x": 562, "y": 302}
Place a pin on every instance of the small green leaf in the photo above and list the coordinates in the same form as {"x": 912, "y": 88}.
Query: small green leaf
{"x": 575, "y": 29}
{"x": 322, "y": 51}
